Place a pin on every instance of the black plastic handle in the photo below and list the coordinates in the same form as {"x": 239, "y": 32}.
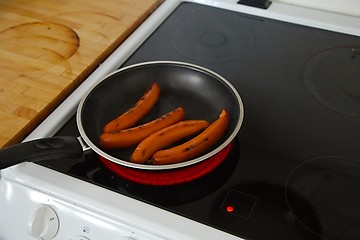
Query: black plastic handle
{"x": 40, "y": 149}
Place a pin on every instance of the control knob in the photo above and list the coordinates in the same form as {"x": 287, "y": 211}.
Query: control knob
{"x": 44, "y": 223}
{"x": 79, "y": 238}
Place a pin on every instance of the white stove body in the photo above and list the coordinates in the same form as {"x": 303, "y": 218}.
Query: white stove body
{"x": 39, "y": 203}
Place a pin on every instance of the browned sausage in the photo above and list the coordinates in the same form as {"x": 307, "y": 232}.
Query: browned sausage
{"x": 133, "y": 136}
{"x": 165, "y": 137}
{"x": 134, "y": 114}
{"x": 195, "y": 146}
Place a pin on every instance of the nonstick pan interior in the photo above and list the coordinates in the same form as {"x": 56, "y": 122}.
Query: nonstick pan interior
{"x": 202, "y": 93}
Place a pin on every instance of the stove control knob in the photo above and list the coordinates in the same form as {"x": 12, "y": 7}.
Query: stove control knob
{"x": 44, "y": 223}
{"x": 79, "y": 238}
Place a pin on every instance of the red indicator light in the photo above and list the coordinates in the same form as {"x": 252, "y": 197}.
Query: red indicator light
{"x": 229, "y": 208}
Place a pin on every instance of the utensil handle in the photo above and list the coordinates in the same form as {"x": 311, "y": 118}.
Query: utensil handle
{"x": 40, "y": 149}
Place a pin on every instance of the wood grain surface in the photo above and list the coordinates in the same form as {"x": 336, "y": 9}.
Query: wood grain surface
{"x": 48, "y": 47}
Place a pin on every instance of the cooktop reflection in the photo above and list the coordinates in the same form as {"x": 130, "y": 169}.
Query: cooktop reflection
{"x": 296, "y": 172}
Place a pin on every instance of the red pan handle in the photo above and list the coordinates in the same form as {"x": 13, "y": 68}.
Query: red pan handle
{"x": 40, "y": 149}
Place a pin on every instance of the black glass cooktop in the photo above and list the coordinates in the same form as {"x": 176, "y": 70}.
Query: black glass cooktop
{"x": 295, "y": 170}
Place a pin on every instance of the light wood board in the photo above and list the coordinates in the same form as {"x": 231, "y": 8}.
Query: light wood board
{"x": 48, "y": 47}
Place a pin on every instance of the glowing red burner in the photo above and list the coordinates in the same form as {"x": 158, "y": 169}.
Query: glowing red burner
{"x": 168, "y": 177}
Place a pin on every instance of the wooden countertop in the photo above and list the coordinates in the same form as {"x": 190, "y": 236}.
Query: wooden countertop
{"x": 47, "y": 48}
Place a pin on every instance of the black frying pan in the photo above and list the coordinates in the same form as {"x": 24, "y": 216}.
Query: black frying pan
{"x": 201, "y": 92}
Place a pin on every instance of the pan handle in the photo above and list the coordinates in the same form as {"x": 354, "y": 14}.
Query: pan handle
{"x": 40, "y": 149}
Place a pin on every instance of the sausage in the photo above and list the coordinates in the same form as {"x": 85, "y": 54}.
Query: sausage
{"x": 134, "y": 114}
{"x": 133, "y": 136}
{"x": 165, "y": 137}
{"x": 195, "y": 146}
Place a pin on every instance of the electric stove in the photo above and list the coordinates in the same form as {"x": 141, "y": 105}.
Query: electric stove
{"x": 293, "y": 171}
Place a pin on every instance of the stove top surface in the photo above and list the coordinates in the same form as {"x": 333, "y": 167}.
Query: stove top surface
{"x": 294, "y": 173}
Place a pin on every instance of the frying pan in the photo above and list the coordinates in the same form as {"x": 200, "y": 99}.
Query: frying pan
{"x": 200, "y": 91}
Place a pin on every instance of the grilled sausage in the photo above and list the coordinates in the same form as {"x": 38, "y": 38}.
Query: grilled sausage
{"x": 133, "y": 136}
{"x": 134, "y": 114}
{"x": 196, "y": 145}
{"x": 165, "y": 137}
